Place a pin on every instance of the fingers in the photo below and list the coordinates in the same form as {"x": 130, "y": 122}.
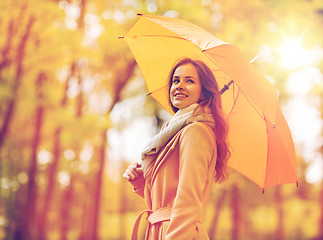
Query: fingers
{"x": 133, "y": 171}
{"x": 134, "y": 165}
{"x": 125, "y": 176}
{"x": 132, "y": 174}
{"x": 139, "y": 170}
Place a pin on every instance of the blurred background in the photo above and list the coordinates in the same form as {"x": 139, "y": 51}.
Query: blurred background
{"x": 74, "y": 113}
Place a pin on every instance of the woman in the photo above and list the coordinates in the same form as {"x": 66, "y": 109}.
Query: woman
{"x": 180, "y": 163}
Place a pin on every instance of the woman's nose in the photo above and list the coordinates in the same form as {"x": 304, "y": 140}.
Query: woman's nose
{"x": 180, "y": 85}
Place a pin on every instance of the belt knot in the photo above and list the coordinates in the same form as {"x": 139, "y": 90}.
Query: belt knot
{"x": 159, "y": 215}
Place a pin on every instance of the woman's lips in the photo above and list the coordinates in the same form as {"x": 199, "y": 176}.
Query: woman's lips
{"x": 180, "y": 95}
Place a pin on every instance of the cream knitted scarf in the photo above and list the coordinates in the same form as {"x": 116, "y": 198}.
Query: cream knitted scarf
{"x": 183, "y": 117}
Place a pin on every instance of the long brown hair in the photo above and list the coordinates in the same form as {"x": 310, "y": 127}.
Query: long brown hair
{"x": 210, "y": 98}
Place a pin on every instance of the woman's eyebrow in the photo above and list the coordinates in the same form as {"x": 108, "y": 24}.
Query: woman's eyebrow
{"x": 186, "y": 77}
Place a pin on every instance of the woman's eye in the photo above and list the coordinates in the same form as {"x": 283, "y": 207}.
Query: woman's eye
{"x": 190, "y": 81}
{"x": 175, "y": 81}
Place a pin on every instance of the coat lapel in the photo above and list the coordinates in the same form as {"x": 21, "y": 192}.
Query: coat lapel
{"x": 164, "y": 153}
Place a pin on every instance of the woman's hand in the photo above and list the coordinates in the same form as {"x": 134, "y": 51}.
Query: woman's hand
{"x": 133, "y": 172}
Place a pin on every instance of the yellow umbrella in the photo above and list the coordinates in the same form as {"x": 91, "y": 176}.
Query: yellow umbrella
{"x": 261, "y": 144}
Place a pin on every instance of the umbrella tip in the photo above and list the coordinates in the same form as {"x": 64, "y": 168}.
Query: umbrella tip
{"x": 139, "y": 14}
{"x": 121, "y": 37}
{"x": 254, "y": 59}
{"x": 263, "y": 190}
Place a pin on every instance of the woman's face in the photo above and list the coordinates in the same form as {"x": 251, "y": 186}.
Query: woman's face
{"x": 186, "y": 87}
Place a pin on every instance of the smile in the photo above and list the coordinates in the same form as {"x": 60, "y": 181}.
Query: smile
{"x": 180, "y": 95}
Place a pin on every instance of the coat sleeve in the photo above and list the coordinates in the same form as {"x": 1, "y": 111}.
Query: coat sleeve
{"x": 197, "y": 148}
{"x": 139, "y": 185}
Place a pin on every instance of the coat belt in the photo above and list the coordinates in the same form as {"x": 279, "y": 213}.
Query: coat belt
{"x": 160, "y": 215}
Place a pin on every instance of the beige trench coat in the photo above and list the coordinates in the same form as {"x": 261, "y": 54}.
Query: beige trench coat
{"x": 181, "y": 183}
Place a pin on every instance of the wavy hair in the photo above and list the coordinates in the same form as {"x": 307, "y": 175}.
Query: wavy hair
{"x": 210, "y": 98}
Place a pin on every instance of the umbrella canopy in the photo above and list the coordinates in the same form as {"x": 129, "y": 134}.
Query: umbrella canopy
{"x": 262, "y": 148}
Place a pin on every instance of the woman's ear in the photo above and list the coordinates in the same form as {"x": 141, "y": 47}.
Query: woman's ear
{"x": 202, "y": 98}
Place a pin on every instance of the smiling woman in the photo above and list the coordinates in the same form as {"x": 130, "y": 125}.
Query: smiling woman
{"x": 181, "y": 162}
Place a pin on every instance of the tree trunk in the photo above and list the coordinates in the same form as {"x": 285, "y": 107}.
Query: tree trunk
{"x": 98, "y": 186}
{"x": 20, "y": 230}
{"x": 120, "y": 83}
{"x": 320, "y": 224}
{"x": 6, "y": 49}
{"x": 13, "y": 26}
{"x": 68, "y": 195}
{"x": 82, "y": 15}
{"x": 123, "y": 205}
{"x": 43, "y": 219}
{"x": 66, "y": 209}
{"x": 280, "y": 235}
{"x": 18, "y": 75}
{"x": 236, "y": 212}
{"x": 88, "y": 209}
{"x": 31, "y": 211}
{"x": 217, "y": 210}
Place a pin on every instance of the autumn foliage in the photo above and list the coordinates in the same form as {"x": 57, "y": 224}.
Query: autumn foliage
{"x": 74, "y": 114}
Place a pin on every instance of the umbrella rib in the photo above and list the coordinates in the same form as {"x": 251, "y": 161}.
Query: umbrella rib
{"x": 181, "y": 38}
{"x": 236, "y": 99}
{"x": 157, "y": 36}
{"x": 259, "y": 113}
{"x": 148, "y": 94}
